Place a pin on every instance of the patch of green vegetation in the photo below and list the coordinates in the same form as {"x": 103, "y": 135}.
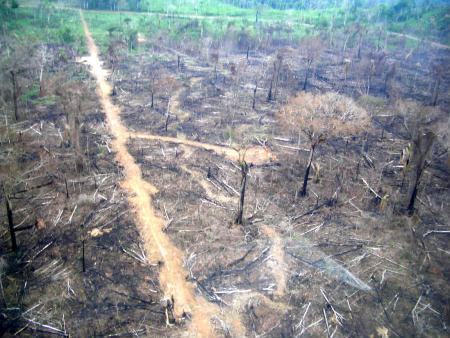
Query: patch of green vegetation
{"x": 47, "y": 100}
{"x": 31, "y": 94}
{"x": 45, "y": 24}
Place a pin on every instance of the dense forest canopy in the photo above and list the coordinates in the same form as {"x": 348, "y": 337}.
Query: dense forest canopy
{"x": 306, "y": 4}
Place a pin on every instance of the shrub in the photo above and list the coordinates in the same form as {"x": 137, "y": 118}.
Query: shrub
{"x": 66, "y": 35}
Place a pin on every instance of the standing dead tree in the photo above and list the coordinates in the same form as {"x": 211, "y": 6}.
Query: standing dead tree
{"x": 15, "y": 93}
{"x": 436, "y": 72}
{"x": 312, "y": 49}
{"x": 243, "y": 165}
{"x": 320, "y": 117}
{"x": 389, "y": 77}
{"x": 214, "y": 57}
{"x": 277, "y": 65}
{"x": 422, "y": 129}
{"x": 421, "y": 146}
{"x": 10, "y": 223}
{"x": 168, "y": 85}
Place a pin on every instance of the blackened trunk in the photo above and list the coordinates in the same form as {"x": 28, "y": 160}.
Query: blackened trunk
{"x": 67, "y": 188}
{"x": 11, "y": 224}
{"x": 436, "y": 91}
{"x": 412, "y": 197}
{"x": 421, "y": 148}
{"x": 254, "y": 97}
{"x": 240, "y": 212}
{"x": 14, "y": 85}
{"x": 83, "y": 261}
{"x": 269, "y": 96}
{"x": 305, "y": 83}
{"x": 306, "y": 176}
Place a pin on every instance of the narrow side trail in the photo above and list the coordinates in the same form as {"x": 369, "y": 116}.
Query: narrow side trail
{"x": 157, "y": 244}
{"x": 278, "y": 263}
{"x": 256, "y": 155}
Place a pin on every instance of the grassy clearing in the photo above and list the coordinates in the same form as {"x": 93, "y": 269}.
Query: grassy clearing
{"x": 47, "y": 25}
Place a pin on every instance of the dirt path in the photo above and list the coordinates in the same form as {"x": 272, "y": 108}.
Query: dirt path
{"x": 175, "y": 108}
{"x": 211, "y": 191}
{"x": 415, "y": 38}
{"x": 255, "y": 155}
{"x": 157, "y": 245}
{"x": 278, "y": 264}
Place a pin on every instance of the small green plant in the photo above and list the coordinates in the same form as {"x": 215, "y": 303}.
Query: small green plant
{"x": 66, "y": 35}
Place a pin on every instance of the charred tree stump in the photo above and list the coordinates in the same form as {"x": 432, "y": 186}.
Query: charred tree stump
{"x": 270, "y": 94}
{"x": 15, "y": 95}
{"x": 254, "y": 96}
{"x": 302, "y": 192}
{"x": 11, "y": 224}
{"x": 435, "y": 95}
{"x": 244, "y": 171}
{"x": 83, "y": 261}
{"x": 421, "y": 147}
{"x": 67, "y": 187}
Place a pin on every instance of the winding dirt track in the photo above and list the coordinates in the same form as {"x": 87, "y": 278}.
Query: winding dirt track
{"x": 157, "y": 245}
{"x": 255, "y": 155}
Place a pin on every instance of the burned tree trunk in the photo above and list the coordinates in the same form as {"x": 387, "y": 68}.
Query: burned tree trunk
{"x": 254, "y": 96}
{"x": 421, "y": 148}
{"x": 308, "y": 69}
{"x": 15, "y": 95}
{"x": 273, "y": 82}
{"x": 390, "y": 74}
{"x": 166, "y": 124}
{"x": 240, "y": 212}
{"x": 11, "y": 224}
{"x": 308, "y": 169}
{"x": 270, "y": 94}
{"x": 435, "y": 95}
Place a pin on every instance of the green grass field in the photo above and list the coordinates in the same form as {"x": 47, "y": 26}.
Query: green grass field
{"x": 180, "y": 19}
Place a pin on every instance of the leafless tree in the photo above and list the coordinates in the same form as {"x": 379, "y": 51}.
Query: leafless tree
{"x": 311, "y": 48}
{"x": 244, "y": 172}
{"x": 422, "y": 124}
{"x": 437, "y": 72}
{"x": 320, "y": 117}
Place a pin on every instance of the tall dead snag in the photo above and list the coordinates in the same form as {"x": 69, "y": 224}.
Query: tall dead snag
{"x": 390, "y": 74}
{"x": 277, "y": 65}
{"x": 314, "y": 143}
{"x": 244, "y": 172}
{"x": 423, "y": 125}
{"x": 254, "y": 95}
{"x": 214, "y": 57}
{"x": 168, "y": 86}
{"x": 421, "y": 147}
{"x": 15, "y": 94}
{"x": 42, "y": 91}
{"x": 320, "y": 117}
{"x": 312, "y": 48}
{"x": 11, "y": 223}
{"x": 437, "y": 71}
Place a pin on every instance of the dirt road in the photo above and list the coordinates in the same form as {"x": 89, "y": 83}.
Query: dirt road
{"x": 157, "y": 244}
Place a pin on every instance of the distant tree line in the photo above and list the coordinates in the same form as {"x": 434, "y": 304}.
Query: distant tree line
{"x": 395, "y": 6}
{"x": 113, "y": 5}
